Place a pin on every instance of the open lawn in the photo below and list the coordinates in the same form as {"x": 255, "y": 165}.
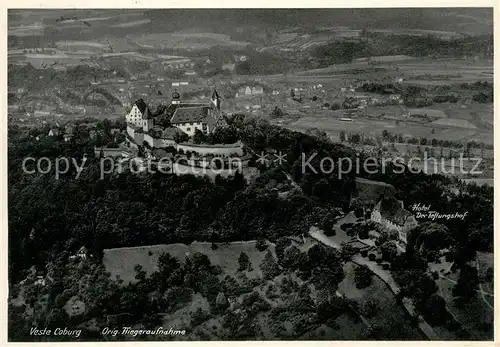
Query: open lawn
{"x": 121, "y": 261}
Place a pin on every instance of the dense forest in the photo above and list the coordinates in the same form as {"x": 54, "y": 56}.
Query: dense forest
{"x": 48, "y": 216}
{"x": 375, "y": 44}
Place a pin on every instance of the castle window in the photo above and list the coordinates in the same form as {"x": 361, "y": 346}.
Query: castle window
{"x": 188, "y": 129}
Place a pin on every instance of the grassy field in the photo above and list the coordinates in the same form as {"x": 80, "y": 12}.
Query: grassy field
{"x": 121, "y": 261}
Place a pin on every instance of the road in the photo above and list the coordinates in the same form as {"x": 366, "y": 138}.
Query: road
{"x": 384, "y": 275}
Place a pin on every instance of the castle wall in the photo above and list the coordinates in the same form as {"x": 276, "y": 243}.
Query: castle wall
{"x": 220, "y": 150}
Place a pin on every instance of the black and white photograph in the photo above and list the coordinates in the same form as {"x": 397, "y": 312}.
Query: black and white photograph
{"x": 236, "y": 174}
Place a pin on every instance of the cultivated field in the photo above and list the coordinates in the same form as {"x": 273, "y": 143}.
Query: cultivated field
{"x": 186, "y": 40}
{"x": 371, "y": 127}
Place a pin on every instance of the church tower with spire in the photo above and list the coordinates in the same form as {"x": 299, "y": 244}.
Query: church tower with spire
{"x": 176, "y": 98}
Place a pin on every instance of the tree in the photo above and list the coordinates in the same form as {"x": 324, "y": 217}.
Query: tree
{"x": 199, "y": 316}
{"x": 357, "y": 206}
{"x": 199, "y": 137}
{"x": 489, "y": 274}
{"x": 140, "y": 273}
{"x": 221, "y": 301}
{"x": 369, "y": 308}
{"x": 180, "y": 137}
{"x": 428, "y": 237}
{"x": 468, "y": 282}
{"x": 243, "y": 262}
{"x": 434, "y": 310}
{"x": 328, "y": 310}
{"x": 342, "y": 136}
{"x": 347, "y": 252}
{"x": 210, "y": 287}
{"x": 176, "y": 297}
{"x": 362, "y": 276}
{"x": 389, "y": 250}
{"x": 291, "y": 257}
{"x": 328, "y": 277}
{"x": 261, "y": 245}
{"x": 424, "y": 287}
{"x": 167, "y": 264}
{"x": 355, "y": 138}
{"x": 277, "y": 112}
{"x": 269, "y": 267}
{"x": 281, "y": 244}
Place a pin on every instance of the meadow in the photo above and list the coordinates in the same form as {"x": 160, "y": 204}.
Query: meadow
{"x": 121, "y": 261}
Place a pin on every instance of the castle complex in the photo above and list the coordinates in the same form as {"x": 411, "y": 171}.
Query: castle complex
{"x": 183, "y": 117}
{"x": 168, "y": 134}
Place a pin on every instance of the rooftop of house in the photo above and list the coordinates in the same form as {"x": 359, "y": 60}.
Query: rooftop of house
{"x": 392, "y": 209}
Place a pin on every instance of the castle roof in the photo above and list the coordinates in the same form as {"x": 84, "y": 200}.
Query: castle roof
{"x": 189, "y": 114}
{"x": 215, "y": 95}
{"x": 169, "y": 133}
{"x": 146, "y": 114}
{"x": 141, "y": 105}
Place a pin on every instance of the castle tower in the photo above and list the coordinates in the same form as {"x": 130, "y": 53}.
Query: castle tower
{"x": 215, "y": 99}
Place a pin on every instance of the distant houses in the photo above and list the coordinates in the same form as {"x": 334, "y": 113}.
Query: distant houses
{"x": 250, "y": 91}
{"x": 69, "y": 133}
{"x": 80, "y": 255}
{"x": 54, "y": 132}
